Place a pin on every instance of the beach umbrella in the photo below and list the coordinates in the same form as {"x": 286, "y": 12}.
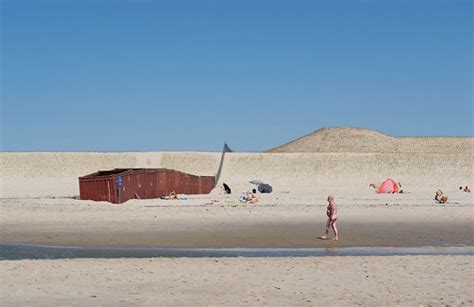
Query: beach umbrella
{"x": 265, "y": 188}
{"x": 256, "y": 182}
{"x": 388, "y": 186}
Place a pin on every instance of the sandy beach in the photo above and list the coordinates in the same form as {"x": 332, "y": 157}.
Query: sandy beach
{"x": 236, "y": 153}
{"x": 39, "y": 205}
{"x": 221, "y": 221}
{"x": 368, "y": 281}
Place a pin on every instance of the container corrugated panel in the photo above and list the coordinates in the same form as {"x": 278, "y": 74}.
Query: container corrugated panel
{"x": 199, "y": 183}
{"x": 206, "y": 183}
{"x": 161, "y": 182}
{"x": 151, "y": 188}
{"x": 135, "y": 189}
{"x": 178, "y": 182}
{"x": 170, "y": 175}
{"x": 126, "y": 189}
{"x": 141, "y": 186}
{"x": 97, "y": 190}
{"x": 186, "y": 184}
{"x": 192, "y": 184}
{"x": 195, "y": 185}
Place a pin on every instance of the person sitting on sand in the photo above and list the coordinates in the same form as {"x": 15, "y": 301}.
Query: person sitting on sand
{"x": 252, "y": 199}
{"x": 227, "y": 189}
{"x": 376, "y": 186}
{"x": 331, "y": 212}
{"x": 467, "y": 190}
{"x": 172, "y": 195}
{"x": 244, "y": 197}
{"x": 440, "y": 198}
{"x": 248, "y": 198}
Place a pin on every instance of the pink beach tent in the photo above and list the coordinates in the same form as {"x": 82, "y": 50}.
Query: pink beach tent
{"x": 388, "y": 186}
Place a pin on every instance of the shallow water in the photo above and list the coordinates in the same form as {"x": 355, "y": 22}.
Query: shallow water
{"x": 11, "y": 251}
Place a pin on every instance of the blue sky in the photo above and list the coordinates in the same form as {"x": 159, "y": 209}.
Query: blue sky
{"x": 188, "y": 75}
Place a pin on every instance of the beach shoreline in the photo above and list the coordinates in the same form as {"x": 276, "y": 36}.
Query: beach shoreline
{"x": 274, "y": 235}
{"x": 215, "y": 221}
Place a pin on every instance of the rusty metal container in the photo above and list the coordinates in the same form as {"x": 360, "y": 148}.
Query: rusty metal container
{"x": 162, "y": 182}
{"x": 199, "y": 185}
{"x": 207, "y": 184}
{"x": 119, "y": 185}
{"x": 193, "y": 184}
{"x": 178, "y": 182}
{"x": 186, "y": 184}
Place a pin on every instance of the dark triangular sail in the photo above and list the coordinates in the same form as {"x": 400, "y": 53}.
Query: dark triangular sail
{"x": 221, "y": 164}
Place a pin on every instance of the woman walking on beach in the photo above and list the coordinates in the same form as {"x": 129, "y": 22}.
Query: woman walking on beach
{"x": 331, "y": 212}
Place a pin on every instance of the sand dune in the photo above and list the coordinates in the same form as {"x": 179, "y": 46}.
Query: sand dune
{"x": 365, "y": 140}
{"x": 335, "y": 159}
{"x": 56, "y": 174}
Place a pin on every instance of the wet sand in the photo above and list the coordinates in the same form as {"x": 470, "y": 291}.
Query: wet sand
{"x": 210, "y": 221}
{"x": 284, "y": 234}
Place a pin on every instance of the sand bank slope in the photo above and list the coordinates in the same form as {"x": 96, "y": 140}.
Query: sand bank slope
{"x": 328, "y": 160}
{"x": 365, "y": 140}
{"x": 56, "y": 174}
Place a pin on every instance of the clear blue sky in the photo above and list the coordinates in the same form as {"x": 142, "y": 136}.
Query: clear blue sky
{"x": 187, "y": 75}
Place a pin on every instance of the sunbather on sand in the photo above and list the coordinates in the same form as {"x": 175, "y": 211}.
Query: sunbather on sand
{"x": 331, "y": 212}
{"x": 252, "y": 199}
{"x": 243, "y": 197}
{"x": 467, "y": 190}
{"x": 248, "y": 198}
{"x": 442, "y": 199}
{"x": 172, "y": 195}
{"x": 226, "y": 188}
{"x": 376, "y": 186}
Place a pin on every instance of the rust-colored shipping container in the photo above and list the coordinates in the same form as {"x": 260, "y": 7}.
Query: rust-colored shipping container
{"x": 185, "y": 184}
{"x": 208, "y": 183}
{"x": 199, "y": 185}
{"x": 119, "y": 185}
{"x": 178, "y": 183}
{"x": 162, "y": 182}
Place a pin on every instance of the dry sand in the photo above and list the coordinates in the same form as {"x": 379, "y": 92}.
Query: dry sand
{"x": 327, "y": 281}
{"x": 36, "y": 206}
{"x": 56, "y": 174}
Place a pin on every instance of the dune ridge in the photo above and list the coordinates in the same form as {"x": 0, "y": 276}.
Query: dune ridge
{"x": 345, "y": 139}
{"x": 56, "y": 174}
{"x": 329, "y": 159}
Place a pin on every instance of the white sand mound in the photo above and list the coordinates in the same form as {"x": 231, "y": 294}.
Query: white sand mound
{"x": 56, "y": 174}
{"x": 364, "y": 140}
{"x": 327, "y": 160}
